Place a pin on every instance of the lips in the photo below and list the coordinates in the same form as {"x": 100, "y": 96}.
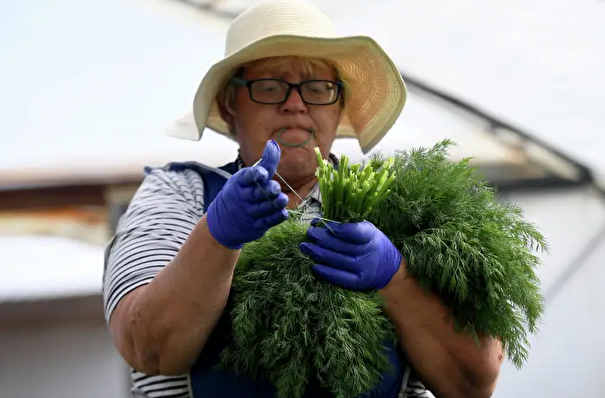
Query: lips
{"x": 294, "y": 128}
{"x": 294, "y": 136}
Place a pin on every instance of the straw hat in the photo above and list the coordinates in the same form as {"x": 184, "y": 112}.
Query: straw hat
{"x": 374, "y": 90}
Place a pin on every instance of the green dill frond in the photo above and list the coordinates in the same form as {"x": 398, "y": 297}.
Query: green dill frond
{"x": 289, "y": 327}
{"x": 477, "y": 254}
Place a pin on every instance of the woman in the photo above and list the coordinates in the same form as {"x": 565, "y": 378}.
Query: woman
{"x": 287, "y": 84}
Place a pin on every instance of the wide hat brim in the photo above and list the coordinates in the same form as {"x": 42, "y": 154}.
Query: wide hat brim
{"x": 375, "y": 93}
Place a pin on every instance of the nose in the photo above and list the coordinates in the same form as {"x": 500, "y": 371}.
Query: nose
{"x": 294, "y": 103}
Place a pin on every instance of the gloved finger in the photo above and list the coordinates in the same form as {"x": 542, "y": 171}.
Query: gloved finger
{"x": 251, "y": 175}
{"x": 271, "y": 220}
{"x": 262, "y": 191}
{"x": 324, "y": 238}
{"x": 263, "y": 209}
{"x": 271, "y": 156}
{"x": 337, "y": 277}
{"x": 319, "y": 222}
{"x": 326, "y": 256}
{"x": 357, "y": 233}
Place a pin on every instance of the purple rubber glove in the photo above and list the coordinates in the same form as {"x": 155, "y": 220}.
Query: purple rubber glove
{"x": 356, "y": 256}
{"x": 249, "y": 204}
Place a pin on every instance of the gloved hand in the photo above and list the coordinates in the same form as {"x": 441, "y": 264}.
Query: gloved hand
{"x": 356, "y": 256}
{"x": 243, "y": 211}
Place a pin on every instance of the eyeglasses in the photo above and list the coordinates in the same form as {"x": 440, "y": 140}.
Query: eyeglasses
{"x": 277, "y": 91}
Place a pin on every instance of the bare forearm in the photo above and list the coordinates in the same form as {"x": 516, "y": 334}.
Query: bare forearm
{"x": 450, "y": 363}
{"x": 168, "y": 321}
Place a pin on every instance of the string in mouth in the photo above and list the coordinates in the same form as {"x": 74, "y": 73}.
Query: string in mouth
{"x": 311, "y": 134}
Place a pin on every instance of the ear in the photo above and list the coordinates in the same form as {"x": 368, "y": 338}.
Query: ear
{"x": 227, "y": 113}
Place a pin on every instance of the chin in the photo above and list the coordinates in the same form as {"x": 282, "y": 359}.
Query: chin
{"x": 296, "y": 156}
{"x": 297, "y": 164}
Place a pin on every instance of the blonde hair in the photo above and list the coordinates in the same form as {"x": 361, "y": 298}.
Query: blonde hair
{"x": 226, "y": 96}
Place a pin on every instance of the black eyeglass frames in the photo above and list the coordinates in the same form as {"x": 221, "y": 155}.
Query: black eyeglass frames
{"x": 277, "y": 91}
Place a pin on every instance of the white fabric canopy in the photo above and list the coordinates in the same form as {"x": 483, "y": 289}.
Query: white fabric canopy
{"x": 88, "y": 87}
{"x": 42, "y": 267}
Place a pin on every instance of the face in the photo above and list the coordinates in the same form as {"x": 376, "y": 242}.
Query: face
{"x": 255, "y": 123}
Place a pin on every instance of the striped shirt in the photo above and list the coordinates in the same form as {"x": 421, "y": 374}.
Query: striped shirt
{"x": 160, "y": 217}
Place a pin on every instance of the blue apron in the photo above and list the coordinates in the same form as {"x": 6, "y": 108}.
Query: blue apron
{"x": 207, "y": 382}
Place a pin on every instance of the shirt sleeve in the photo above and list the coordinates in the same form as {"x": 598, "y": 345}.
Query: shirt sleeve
{"x": 158, "y": 220}
{"x": 412, "y": 387}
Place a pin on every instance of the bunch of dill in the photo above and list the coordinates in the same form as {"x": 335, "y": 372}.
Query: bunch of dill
{"x": 460, "y": 242}
{"x": 294, "y": 329}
